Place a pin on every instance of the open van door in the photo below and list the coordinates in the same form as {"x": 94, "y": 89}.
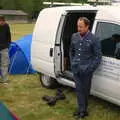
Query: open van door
{"x": 59, "y": 53}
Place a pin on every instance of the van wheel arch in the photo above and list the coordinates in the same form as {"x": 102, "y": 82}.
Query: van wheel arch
{"x": 48, "y": 82}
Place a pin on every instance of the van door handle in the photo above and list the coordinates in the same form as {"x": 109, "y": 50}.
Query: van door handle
{"x": 51, "y": 52}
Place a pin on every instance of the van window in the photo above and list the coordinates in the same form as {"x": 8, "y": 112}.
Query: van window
{"x": 109, "y": 35}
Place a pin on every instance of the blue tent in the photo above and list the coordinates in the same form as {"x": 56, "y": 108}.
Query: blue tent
{"x": 19, "y": 54}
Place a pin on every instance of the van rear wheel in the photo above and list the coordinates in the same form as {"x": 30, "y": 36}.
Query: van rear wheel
{"x": 48, "y": 82}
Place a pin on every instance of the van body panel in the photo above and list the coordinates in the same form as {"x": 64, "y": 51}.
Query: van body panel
{"x": 46, "y": 26}
{"x": 108, "y": 13}
{"x": 43, "y": 41}
{"x": 107, "y": 76}
{"x": 106, "y": 79}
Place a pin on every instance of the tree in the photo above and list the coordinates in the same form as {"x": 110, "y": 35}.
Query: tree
{"x": 32, "y": 7}
{"x": 7, "y": 4}
{"x": 37, "y": 6}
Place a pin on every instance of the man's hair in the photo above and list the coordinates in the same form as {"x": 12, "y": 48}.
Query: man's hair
{"x": 2, "y": 18}
{"x": 86, "y": 20}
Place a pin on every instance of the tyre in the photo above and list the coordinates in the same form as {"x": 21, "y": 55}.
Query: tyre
{"x": 48, "y": 82}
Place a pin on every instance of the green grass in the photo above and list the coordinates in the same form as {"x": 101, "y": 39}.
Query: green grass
{"x": 24, "y": 92}
{"x": 24, "y": 97}
{"x": 19, "y": 30}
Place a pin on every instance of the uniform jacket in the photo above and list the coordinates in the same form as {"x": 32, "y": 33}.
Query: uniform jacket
{"x": 85, "y": 54}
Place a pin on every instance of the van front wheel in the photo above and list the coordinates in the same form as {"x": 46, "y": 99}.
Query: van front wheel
{"x": 47, "y": 81}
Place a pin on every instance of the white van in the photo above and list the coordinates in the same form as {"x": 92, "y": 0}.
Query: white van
{"x": 51, "y": 42}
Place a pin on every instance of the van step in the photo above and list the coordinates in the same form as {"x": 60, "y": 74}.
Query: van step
{"x": 68, "y": 75}
{"x": 67, "y": 82}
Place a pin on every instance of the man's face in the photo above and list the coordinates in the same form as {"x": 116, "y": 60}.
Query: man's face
{"x": 1, "y": 22}
{"x": 82, "y": 27}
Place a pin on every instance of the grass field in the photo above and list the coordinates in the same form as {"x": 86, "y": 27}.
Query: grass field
{"x": 19, "y": 30}
{"x": 24, "y": 92}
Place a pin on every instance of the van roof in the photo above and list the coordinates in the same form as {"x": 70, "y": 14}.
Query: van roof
{"x": 110, "y": 13}
{"x": 105, "y": 12}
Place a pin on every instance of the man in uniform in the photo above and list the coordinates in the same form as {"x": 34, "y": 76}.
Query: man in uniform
{"x": 85, "y": 56}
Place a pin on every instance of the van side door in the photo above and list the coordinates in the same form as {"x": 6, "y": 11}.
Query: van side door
{"x": 106, "y": 80}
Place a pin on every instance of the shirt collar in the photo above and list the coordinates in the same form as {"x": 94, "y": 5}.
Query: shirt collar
{"x": 82, "y": 37}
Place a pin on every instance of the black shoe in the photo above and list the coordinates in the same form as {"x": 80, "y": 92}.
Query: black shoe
{"x": 51, "y": 101}
{"x": 83, "y": 114}
{"x": 80, "y": 115}
{"x": 59, "y": 95}
{"x": 46, "y": 98}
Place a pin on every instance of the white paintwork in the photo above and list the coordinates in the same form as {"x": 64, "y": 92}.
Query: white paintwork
{"x": 43, "y": 39}
{"x": 109, "y": 13}
{"x": 60, "y": 3}
{"x": 106, "y": 80}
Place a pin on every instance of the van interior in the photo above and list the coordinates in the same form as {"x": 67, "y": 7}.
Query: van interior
{"x": 70, "y": 27}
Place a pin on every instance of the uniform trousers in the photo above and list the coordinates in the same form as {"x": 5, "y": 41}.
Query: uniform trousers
{"x": 83, "y": 85}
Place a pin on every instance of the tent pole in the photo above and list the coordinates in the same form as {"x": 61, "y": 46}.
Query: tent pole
{"x": 28, "y": 68}
{"x": 12, "y": 61}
